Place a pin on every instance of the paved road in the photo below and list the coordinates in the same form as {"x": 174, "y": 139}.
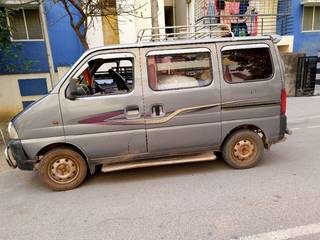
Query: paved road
{"x": 280, "y": 197}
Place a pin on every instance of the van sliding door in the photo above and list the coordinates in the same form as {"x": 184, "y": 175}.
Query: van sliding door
{"x": 182, "y": 98}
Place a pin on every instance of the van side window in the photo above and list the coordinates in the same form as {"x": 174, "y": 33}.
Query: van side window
{"x": 105, "y": 77}
{"x": 179, "y": 71}
{"x": 244, "y": 65}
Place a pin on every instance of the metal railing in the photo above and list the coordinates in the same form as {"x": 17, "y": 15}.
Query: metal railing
{"x": 197, "y": 31}
{"x": 306, "y": 76}
{"x": 254, "y": 18}
{"x": 253, "y": 24}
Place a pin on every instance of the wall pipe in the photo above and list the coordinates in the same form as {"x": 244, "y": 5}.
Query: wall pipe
{"x": 47, "y": 42}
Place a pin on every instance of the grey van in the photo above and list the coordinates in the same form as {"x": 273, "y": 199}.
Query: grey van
{"x": 154, "y": 103}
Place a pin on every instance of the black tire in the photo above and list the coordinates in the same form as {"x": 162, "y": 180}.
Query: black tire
{"x": 62, "y": 169}
{"x": 243, "y": 149}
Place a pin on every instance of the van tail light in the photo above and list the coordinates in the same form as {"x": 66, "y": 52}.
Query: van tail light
{"x": 283, "y": 101}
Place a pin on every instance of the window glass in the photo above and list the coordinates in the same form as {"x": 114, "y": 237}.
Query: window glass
{"x": 25, "y": 24}
{"x": 111, "y": 3}
{"x": 317, "y": 18}
{"x": 307, "y": 18}
{"x": 105, "y": 77}
{"x": 242, "y": 65}
{"x": 17, "y": 25}
{"x": 176, "y": 71}
{"x": 33, "y": 24}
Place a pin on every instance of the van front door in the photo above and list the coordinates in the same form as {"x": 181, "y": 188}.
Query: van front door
{"x": 182, "y": 99}
{"x": 106, "y": 117}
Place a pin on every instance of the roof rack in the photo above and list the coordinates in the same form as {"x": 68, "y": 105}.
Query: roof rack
{"x": 198, "y": 31}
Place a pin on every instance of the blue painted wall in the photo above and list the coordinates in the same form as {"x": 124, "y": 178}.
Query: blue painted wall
{"x": 33, "y": 87}
{"x": 33, "y": 51}
{"x": 284, "y": 19}
{"x": 305, "y": 42}
{"x": 66, "y": 48}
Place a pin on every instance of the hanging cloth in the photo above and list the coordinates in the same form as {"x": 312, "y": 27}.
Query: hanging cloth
{"x": 234, "y": 7}
{"x": 252, "y": 24}
{"x": 208, "y": 8}
{"x": 243, "y": 7}
{"x": 252, "y": 20}
{"x": 220, "y": 4}
{"x": 211, "y": 9}
{"x": 255, "y": 26}
{"x": 217, "y": 6}
{"x": 231, "y": 8}
{"x": 204, "y": 8}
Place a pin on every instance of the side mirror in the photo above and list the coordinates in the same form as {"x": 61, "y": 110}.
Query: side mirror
{"x": 72, "y": 89}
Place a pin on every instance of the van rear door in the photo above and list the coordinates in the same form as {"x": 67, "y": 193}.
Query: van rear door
{"x": 182, "y": 98}
{"x": 251, "y": 86}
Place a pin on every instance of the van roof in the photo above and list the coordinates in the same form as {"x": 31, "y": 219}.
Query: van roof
{"x": 164, "y": 43}
{"x": 180, "y": 42}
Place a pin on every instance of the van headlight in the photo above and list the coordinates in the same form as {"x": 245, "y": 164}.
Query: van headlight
{"x": 12, "y": 131}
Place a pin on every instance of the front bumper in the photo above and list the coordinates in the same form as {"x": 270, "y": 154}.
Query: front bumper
{"x": 16, "y": 157}
{"x": 8, "y": 156}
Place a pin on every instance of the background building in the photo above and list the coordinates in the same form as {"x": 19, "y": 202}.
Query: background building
{"x": 306, "y": 26}
{"x": 306, "y": 29}
{"x": 261, "y": 17}
{"x": 23, "y": 85}
{"x": 50, "y": 45}
{"x": 296, "y": 21}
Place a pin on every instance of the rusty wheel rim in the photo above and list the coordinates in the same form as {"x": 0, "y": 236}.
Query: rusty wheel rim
{"x": 63, "y": 170}
{"x": 244, "y": 150}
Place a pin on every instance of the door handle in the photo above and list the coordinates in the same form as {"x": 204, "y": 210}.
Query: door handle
{"x": 132, "y": 112}
{"x": 157, "y": 110}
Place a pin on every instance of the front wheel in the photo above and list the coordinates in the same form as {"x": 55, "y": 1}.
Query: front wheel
{"x": 62, "y": 169}
{"x": 243, "y": 149}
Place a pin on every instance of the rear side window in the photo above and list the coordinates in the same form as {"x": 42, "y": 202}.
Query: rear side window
{"x": 179, "y": 70}
{"x": 245, "y": 65}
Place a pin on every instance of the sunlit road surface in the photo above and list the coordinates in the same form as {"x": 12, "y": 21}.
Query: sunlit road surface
{"x": 279, "y": 199}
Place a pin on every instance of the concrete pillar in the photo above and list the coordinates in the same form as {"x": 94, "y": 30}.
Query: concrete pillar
{"x": 290, "y": 61}
{"x": 95, "y": 36}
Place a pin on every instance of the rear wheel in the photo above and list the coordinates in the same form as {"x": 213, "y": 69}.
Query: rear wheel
{"x": 62, "y": 169}
{"x": 243, "y": 149}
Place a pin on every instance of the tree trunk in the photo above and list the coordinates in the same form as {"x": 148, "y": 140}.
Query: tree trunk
{"x": 82, "y": 38}
{"x": 154, "y": 17}
{"x": 84, "y": 42}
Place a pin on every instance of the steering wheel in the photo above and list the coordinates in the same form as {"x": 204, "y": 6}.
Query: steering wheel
{"x": 83, "y": 89}
{"x": 97, "y": 88}
{"x": 119, "y": 80}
